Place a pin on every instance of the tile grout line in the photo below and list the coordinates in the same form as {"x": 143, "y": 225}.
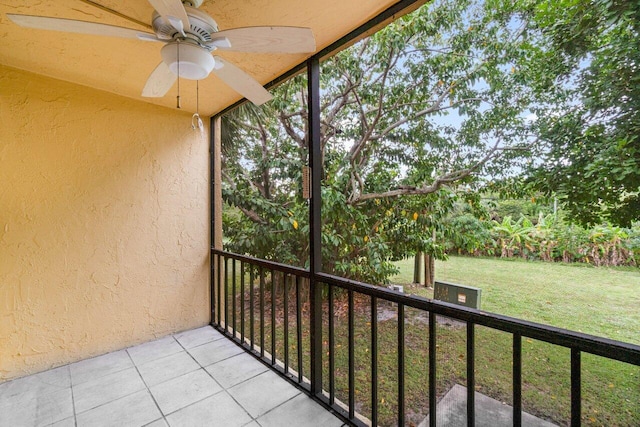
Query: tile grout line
{"x": 224, "y": 389}
{"x": 299, "y": 392}
{"x": 268, "y": 369}
{"x": 73, "y": 398}
{"x": 164, "y": 417}
{"x": 243, "y": 408}
{"x": 198, "y": 363}
{"x": 211, "y": 364}
{"x": 248, "y": 379}
{"x": 151, "y": 360}
{"x": 205, "y": 343}
{"x": 93, "y": 378}
{"x": 116, "y": 399}
{"x": 147, "y": 387}
{"x": 218, "y": 361}
{"x": 277, "y": 406}
{"x": 261, "y": 415}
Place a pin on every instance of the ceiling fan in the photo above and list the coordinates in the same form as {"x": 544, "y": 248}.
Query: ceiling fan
{"x": 190, "y": 36}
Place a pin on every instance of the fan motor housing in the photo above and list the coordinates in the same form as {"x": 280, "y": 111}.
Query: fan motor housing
{"x": 201, "y": 26}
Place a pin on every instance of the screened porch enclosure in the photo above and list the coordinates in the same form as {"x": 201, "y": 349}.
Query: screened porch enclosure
{"x": 372, "y": 355}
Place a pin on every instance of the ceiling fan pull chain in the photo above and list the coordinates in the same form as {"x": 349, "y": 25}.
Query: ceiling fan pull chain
{"x": 178, "y": 57}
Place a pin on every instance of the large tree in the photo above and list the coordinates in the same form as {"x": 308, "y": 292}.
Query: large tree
{"x": 414, "y": 118}
{"x": 591, "y": 155}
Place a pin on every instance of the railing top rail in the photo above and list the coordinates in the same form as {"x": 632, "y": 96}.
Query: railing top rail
{"x": 612, "y": 349}
{"x": 605, "y": 347}
{"x": 270, "y": 265}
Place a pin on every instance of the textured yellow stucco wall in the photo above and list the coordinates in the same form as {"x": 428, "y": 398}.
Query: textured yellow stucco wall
{"x": 103, "y": 222}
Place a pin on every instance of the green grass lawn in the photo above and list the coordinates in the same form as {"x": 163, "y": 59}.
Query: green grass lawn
{"x": 598, "y": 301}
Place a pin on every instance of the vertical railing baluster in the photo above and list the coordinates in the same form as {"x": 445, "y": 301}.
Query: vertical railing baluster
{"x": 285, "y": 280}
{"x": 374, "y": 361}
{"x": 226, "y": 294}
{"x": 471, "y": 376}
{"x": 352, "y": 400}
{"x": 274, "y": 281}
{"x": 261, "y": 312}
{"x": 225, "y": 307}
{"x": 401, "y": 365}
{"x": 252, "y": 307}
{"x": 233, "y": 297}
{"x": 576, "y": 394}
{"x": 517, "y": 380}
{"x": 432, "y": 369}
{"x": 332, "y": 349}
{"x": 242, "y": 297}
{"x": 315, "y": 335}
{"x": 212, "y": 288}
{"x": 299, "y": 328}
{"x": 219, "y": 286}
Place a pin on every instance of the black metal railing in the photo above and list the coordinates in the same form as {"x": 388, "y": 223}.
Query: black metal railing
{"x": 266, "y": 308}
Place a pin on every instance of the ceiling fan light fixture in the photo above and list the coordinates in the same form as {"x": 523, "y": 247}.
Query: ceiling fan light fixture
{"x": 190, "y": 35}
{"x": 195, "y": 62}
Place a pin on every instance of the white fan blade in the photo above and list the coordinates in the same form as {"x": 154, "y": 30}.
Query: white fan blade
{"x": 173, "y": 11}
{"x": 269, "y": 39}
{"x": 241, "y": 82}
{"x": 73, "y": 26}
{"x": 159, "y": 82}
{"x": 150, "y": 38}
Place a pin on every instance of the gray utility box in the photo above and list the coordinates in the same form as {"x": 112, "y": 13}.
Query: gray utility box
{"x": 467, "y": 296}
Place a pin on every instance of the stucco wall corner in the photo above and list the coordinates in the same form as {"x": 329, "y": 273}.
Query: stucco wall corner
{"x": 104, "y": 222}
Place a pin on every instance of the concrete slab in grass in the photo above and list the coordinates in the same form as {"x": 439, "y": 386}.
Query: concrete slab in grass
{"x": 452, "y": 411}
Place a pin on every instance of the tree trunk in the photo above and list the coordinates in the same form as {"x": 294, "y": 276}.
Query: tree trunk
{"x": 429, "y": 271}
{"x": 430, "y": 267}
{"x": 417, "y": 269}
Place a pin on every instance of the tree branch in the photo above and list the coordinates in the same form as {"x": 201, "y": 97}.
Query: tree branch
{"x": 437, "y": 183}
{"x": 253, "y": 216}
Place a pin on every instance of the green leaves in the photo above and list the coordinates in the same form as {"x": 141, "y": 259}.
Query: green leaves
{"x": 430, "y": 111}
{"x": 593, "y": 159}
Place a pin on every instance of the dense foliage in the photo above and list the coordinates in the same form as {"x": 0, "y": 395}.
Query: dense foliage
{"x": 419, "y": 118}
{"x": 542, "y": 237}
{"x": 591, "y": 151}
